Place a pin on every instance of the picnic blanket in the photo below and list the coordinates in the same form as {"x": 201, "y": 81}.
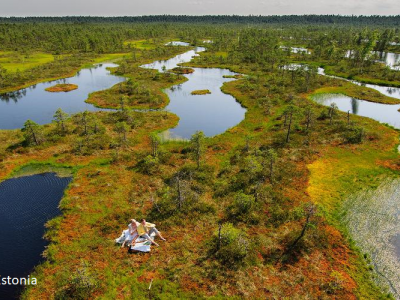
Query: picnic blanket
{"x": 141, "y": 244}
{"x": 141, "y": 247}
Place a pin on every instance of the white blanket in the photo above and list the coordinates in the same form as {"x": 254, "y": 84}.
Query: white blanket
{"x": 141, "y": 244}
{"x": 141, "y": 247}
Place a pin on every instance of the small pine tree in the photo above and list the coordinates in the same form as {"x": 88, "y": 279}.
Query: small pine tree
{"x": 122, "y": 128}
{"x": 32, "y": 132}
{"x": 197, "y": 142}
{"x": 155, "y": 142}
{"x": 60, "y": 117}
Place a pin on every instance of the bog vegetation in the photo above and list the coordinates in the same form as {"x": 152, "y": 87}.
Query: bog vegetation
{"x": 63, "y": 87}
{"x": 249, "y": 213}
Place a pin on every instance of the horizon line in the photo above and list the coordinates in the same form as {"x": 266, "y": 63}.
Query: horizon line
{"x": 194, "y": 15}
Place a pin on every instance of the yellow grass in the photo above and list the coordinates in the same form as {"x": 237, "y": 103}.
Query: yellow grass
{"x": 140, "y": 44}
{"x": 13, "y": 61}
{"x": 201, "y": 92}
{"x": 109, "y": 57}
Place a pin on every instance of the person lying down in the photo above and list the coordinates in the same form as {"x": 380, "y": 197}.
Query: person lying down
{"x": 139, "y": 236}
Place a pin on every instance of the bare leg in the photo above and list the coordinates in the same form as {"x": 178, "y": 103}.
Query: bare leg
{"x": 157, "y": 233}
{"x": 153, "y": 242}
{"x": 147, "y": 237}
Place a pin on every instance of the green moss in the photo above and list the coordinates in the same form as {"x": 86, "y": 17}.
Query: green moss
{"x": 62, "y": 88}
{"x": 14, "y": 61}
{"x": 43, "y": 167}
{"x": 140, "y": 44}
{"x": 201, "y": 92}
{"x": 359, "y": 92}
{"x": 182, "y": 70}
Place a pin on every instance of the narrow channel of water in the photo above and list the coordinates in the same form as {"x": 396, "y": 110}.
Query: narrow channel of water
{"x": 38, "y": 105}
{"x": 26, "y": 204}
{"x": 383, "y": 113}
{"x": 385, "y": 90}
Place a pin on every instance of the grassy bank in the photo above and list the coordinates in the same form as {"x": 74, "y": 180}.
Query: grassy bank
{"x": 144, "y": 88}
{"x": 285, "y": 164}
{"x": 358, "y": 92}
{"x": 372, "y": 77}
{"x": 62, "y": 88}
{"x": 65, "y": 67}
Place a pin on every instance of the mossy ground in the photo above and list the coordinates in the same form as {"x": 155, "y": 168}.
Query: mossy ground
{"x": 144, "y": 88}
{"x": 109, "y": 188}
{"x": 201, "y": 92}
{"x": 358, "y": 92}
{"x": 13, "y": 61}
{"x": 374, "y": 76}
{"x": 181, "y": 70}
{"x": 64, "y": 87}
{"x": 141, "y": 44}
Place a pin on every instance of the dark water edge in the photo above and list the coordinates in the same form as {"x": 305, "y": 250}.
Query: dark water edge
{"x": 26, "y": 204}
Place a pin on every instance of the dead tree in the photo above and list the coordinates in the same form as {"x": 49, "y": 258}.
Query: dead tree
{"x": 310, "y": 211}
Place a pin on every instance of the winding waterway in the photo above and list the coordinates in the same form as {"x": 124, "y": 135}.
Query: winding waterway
{"x": 26, "y": 204}
{"x": 384, "y": 113}
{"x": 38, "y": 105}
{"x": 212, "y": 113}
{"x": 385, "y": 90}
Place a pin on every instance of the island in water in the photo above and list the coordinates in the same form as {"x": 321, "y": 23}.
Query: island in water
{"x": 62, "y": 87}
{"x": 201, "y": 92}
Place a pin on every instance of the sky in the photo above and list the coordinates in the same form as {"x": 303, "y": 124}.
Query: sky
{"x": 196, "y": 7}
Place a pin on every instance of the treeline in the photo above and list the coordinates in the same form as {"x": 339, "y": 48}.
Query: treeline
{"x": 216, "y": 19}
{"x": 109, "y": 38}
{"x": 97, "y": 37}
{"x": 60, "y": 37}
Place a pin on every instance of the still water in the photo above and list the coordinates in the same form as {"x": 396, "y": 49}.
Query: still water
{"x": 383, "y": 113}
{"x": 386, "y": 90}
{"x": 26, "y": 204}
{"x": 213, "y": 113}
{"x": 38, "y": 105}
{"x": 392, "y": 60}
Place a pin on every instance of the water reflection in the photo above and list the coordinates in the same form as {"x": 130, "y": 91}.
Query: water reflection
{"x": 385, "y": 90}
{"x": 14, "y": 96}
{"x": 383, "y": 113}
{"x": 392, "y": 60}
{"x": 213, "y": 113}
{"x": 354, "y": 106}
{"x": 38, "y": 105}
